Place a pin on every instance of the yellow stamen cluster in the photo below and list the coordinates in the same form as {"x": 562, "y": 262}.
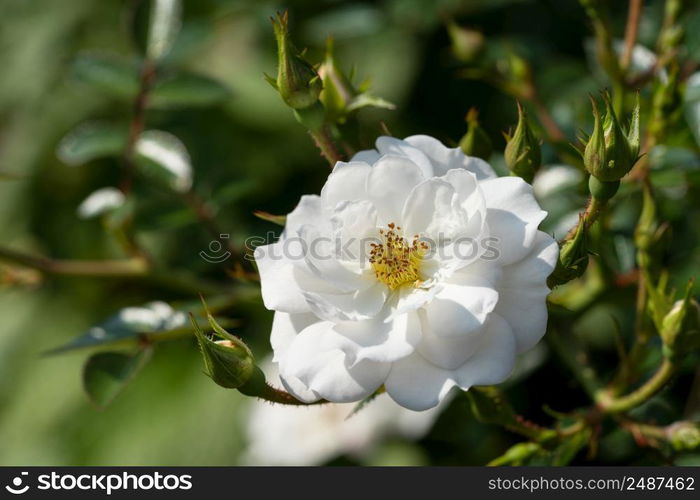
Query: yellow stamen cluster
{"x": 396, "y": 262}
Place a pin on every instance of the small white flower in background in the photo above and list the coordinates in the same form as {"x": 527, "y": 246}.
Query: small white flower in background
{"x": 450, "y": 289}
{"x": 100, "y": 202}
{"x": 555, "y": 178}
{"x": 555, "y": 183}
{"x": 313, "y": 435}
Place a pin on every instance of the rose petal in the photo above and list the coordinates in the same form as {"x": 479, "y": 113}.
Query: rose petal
{"x": 397, "y": 147}
{"x": 348, "y": 181}
{"x": 444, "y": 158}
{"x": 316, "y": 358}
{"x": 513, "y": 216}
{"x": 523, "y": 292}
{"x": 285, "y": 327}
{"x": 459, "y": 309}
{"x": 391, "y": 180}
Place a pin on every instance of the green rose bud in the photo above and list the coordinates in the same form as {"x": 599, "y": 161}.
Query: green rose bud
{"x": 228, "y": 361}
{"x": 523, "y": 156}
{"x": 476, "y": 141}
{"x": 340, "y": 97}
{"x": 573, "y": 259}
{"x": 680, "y": 328}
{"x": 338, "y": 91}
{"x": 611, "y": 153}
{"x": 684, "y": 436}
{"x": 467, "y": 44}
{"x": 297, "y": 81}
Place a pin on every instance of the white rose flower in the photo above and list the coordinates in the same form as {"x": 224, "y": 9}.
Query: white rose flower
{"x": 416, "y": 268}
{"x": 312, "y": 435}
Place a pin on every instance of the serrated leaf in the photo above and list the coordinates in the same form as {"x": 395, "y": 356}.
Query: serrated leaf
{"x": 163, "y": 27}
{"x": 164, "y": 158}
{"x": 188, "y": 89}
{"x": 275, "y": 219}
{"x": 90, "y": 141}
{"x": 108, "y": 73}
{"x": 106, "y": 374}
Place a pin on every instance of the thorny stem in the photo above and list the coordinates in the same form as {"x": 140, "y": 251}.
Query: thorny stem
{"x": 589, "y": 216}
{"x": 325, "y": 143}
{"x": 274, "y": 395}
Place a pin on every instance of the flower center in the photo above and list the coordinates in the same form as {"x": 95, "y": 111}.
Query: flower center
{"x": 396, "y": 262}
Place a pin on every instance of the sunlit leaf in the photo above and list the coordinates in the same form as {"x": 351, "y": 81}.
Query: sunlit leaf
{"x": 90, "y": 141}
{"x": 106, "y": 374}
{"x": 108, "y": 73}
{"x": 188, "y": 89}
{"x": 368, "y": 100}
{"x": 164, "y": 158}
{"x": 275, "y": 219}
{"x": 100, "y": 202}
{"x": 164, "y": 25}
{"x": 692, "y": 105}
{"x": 129, "y": 324}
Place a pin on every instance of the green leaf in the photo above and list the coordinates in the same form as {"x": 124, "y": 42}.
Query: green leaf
{"x": 188, "y": 89}
{"x": 275, "y": 219}
{"x": 163, "y": 27}
{"x": 106, "y": 374}
{"x": 108, "y": 73}
{"x": 692, "y": 105}
{"x": 692, "y": 35}
{"x": 368, "y": 100}
{"x": 570, "y": 447}
{"x": 90, "y": 141}
{"x": 164, "y": 158}
{"x": 520, "y": 454}
{"x": 156, "y": 319}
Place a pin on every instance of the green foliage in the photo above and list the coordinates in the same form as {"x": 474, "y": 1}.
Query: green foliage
{"x": 106, "y": 374}
{"x": 180, "y": 119}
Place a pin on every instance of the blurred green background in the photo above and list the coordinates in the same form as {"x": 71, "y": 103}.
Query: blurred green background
{"x": 248, "y": 154}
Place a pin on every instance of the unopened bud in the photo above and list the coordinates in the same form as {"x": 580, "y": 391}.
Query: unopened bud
{"x": 680, "y": 328}
{"x": 476, "y": 141}
{"x": 467, "y": 44}
{"x": 297, "y": 81}
{"x": 338, "y": 91}
{"x": 522, "y": 155}
{"x": 684, "y": 436}
{"x": 573, "y": 259}
{"x": 340, "y": 97}
{"x": 610, "y": 152}
{"x": 228, "y": 361}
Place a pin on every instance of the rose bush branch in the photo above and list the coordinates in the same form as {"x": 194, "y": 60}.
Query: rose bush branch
{"x": 132, "y": 268}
